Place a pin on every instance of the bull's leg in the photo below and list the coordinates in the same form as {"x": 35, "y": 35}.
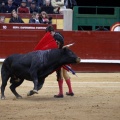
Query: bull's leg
{"x": 39, "y": 86}
{"x": 5, "y": 76}
{"x": 13, "y": 87}
{"x": 4, "y": 83}
{"x": 35, "y": 89}
{"x": 34, "y": 77}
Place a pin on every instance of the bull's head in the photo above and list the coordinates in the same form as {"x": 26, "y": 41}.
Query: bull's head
{"x": 68, "y": 57}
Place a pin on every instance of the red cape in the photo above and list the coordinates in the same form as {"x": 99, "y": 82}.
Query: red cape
{"x": 47, "y": 42}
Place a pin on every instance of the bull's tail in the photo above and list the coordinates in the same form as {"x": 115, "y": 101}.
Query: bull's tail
{"x": 5, "y": 74}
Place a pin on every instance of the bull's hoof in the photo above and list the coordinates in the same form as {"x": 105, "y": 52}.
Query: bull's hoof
{"x": 32, "y": 92}
{"x": 3, "y": 98}
{"x": 35, "y": 91}
{"x": 19, "y": 97}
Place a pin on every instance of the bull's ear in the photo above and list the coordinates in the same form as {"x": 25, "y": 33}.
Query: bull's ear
{"x": 69, "y": 45}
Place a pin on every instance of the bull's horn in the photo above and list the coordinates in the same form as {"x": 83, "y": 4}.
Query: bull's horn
{"x": 69, "y": 45}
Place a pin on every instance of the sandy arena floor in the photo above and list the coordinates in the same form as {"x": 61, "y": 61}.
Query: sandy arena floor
{"x": 97, "y": 97}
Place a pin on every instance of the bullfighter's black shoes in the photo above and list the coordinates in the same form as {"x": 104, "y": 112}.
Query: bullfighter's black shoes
{"x": 58, "y": 96}
{"x": 70, "y": 94}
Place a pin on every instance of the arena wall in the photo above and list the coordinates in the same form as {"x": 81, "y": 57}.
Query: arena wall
{"x": 99, "y": 51}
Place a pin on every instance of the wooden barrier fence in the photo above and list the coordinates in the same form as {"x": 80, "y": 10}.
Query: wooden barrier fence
{"x": 99, "y": 51}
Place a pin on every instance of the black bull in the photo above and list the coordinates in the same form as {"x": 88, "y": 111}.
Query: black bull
{"x": 34, "y": 66}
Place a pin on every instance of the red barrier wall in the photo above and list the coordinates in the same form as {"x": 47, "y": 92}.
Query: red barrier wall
{"x": 95, "y": 45}
{"x": 88, "y": 45}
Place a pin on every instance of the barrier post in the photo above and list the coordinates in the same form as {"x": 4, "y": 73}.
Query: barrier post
{"x": 68, "y": 19}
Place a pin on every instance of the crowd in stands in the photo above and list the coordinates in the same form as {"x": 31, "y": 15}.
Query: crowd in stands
{"x": 30, "y": 6}
{"x": 40, "y": 9}
{"x": 38, "y": 18}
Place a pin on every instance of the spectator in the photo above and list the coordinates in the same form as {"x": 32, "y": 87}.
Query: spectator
{"x": 48, "y": 8}
{"x": 35, "y": 18}
{"x": 2, "y": 7}
{"x": 34, "y": 8}
{"x": 9, "y": 7}
{"x": 17, "y": 3}
{"x": 101, "y": 28}
{"x": 2, "y": 19}
{"x": 5, "y": 1}
{"x": 15, "y": 18}
{"x": 40, "y": 3}
{"x": 58, "y": 5}
{"x": 70, "y": 3}
{"x": 29, "y": 3}
{"x": 23, "y": 7}
{"x": 44, "y": 18}
{"x": 1, "y": 1}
